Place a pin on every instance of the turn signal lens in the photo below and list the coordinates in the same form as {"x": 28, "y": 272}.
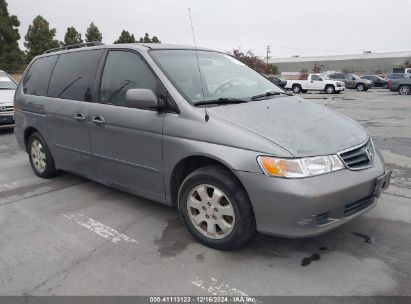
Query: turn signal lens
{"x": 281, "y": 167}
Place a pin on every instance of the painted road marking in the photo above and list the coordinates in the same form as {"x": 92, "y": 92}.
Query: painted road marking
{"x": 99, "y": 228}
{"x": 10, "y": 185}
{"x": 218, "y": 289}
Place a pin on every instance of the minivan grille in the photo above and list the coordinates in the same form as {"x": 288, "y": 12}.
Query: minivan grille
{"x": 359, "y": 157}
{"x": 357, "y": 206}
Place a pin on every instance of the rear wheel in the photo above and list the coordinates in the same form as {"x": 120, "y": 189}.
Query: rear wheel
{"x": 297, "y": 89}
{"x": 41, "y": 160}
{"x": 330, "y": 89}
{"x": 215, "y": 208}
{"x": 360, "y": 87}
{"x": 404, "y": 90}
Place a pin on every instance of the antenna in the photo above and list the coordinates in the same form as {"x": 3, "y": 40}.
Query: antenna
{"x": 207, "y": 117}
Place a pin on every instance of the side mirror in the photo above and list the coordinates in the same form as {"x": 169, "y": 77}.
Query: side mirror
{"x": 352, "y": 78}
{"x": 141, "y": 99}
{"x": 320, "y": 79}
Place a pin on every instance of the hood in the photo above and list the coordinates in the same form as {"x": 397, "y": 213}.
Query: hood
{"x": 6, "y": 97}
{"x": 299, "y": 126}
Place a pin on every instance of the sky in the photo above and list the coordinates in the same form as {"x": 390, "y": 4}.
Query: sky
{"x": 290, "y": 27}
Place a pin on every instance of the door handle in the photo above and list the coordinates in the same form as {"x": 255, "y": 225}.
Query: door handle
{"x": 98, "y": 120}
{"x": 79, "y": 116}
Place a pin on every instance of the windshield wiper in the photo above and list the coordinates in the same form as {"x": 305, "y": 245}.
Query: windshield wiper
{"x": 221, "y": 101}
{"x": 270, "y": 93}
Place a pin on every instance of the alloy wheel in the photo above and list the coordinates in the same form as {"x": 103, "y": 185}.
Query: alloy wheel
{"x": 38, "y": 156}
{"x": 404, "y": 90}
{"x": 210, "y": 211}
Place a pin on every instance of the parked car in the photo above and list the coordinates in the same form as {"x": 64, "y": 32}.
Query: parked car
{"x": 315, "y": 82}
{"x": 402, "y": 86}
{"x": 279, "y": 81}
{"x": 352, "y": 81}
{"x": 378, "y": 81}
{"x": 199, "y": 130}
{"x": 396, "y": 76}
{"x": 7, "y": 89}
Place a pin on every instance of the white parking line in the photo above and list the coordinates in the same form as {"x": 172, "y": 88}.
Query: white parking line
{"x": 10, "y": 185}
{"x": 218, "y": 289}
{"x": 99, "y": 228}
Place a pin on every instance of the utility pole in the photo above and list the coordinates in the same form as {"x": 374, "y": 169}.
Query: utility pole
{"x": 268, "y": 52}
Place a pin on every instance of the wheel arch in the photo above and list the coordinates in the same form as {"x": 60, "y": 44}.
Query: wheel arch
{"x": 27, "y": 133}
{"x": 189, "y": 164}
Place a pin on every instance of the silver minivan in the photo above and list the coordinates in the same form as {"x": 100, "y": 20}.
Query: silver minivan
{"x": 199, "y": 130}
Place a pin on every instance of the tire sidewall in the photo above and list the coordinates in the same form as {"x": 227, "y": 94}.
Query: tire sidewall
{"x": 360, "y": 87}
{"x": 237, "y": 196}
{"x": 332, "y": 89}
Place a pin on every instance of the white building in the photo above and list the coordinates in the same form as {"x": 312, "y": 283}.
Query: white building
{"x": 366, "y": 63}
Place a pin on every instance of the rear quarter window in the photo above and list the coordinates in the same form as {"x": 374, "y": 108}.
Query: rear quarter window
{"x": 37, "y": 77}
{"x": 74, "y": 74}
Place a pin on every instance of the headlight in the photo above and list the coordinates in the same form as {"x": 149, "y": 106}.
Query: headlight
{"x": 299, "y": 167}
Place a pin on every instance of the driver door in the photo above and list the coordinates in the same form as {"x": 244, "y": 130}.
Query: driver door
{"x": 127, "y": 142}
{"x": 316, "y": 83}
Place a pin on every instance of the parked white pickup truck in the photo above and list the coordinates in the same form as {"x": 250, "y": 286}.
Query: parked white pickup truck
{"x": 316, "y": 82}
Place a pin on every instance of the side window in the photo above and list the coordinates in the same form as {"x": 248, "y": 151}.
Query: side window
{"x": 37, "y": 78}
{"x": 124, "y": 71}
{"x": 74, "y": 75}
{"x": 315, "y": 77}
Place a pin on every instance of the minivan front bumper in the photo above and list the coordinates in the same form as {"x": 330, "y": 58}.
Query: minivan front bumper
{"x": 311, "y": 206}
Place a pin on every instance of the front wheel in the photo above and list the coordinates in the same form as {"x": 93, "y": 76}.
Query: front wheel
{"x": 360, "y": 87}
{"x": 404, "y": 90}
{"x": 215, "y": 208}
{"x": 330, "y": 89}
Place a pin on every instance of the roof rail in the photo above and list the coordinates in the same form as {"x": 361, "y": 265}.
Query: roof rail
{"x": 74, "y": 46}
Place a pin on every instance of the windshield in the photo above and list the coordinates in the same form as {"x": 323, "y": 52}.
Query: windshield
{"x": 222, "y": 76}
{"x": 6, "y": 83}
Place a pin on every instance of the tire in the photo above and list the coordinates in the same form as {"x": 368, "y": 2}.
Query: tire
{"x": 330, "y": 89}
{"x": 41, "y": 160}
{"x": 297, "y": 89}
{"x": 404, "y": 90}
{"x": 203, "y": 215}
{"x": 360, "y": 87}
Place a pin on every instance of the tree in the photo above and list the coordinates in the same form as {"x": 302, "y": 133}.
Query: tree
{"x": 93, "y": 33}
{"x": 147, "y": 39}
{"x": 125, "y": 37}
{"x": 254, "y": 62}
{"x": 11, "y": 57}
{"x": 39, "y": 38}
{"x": 72, "y": 36}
